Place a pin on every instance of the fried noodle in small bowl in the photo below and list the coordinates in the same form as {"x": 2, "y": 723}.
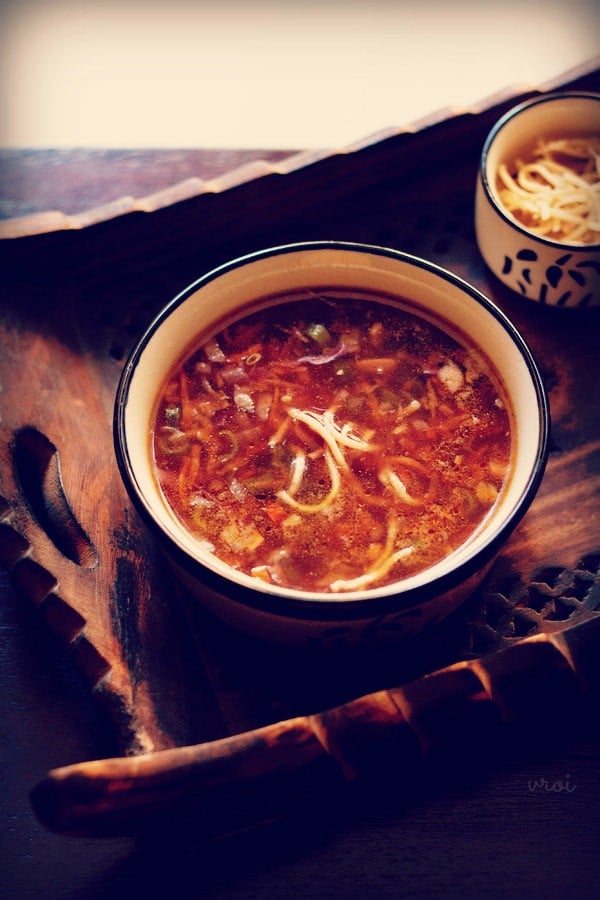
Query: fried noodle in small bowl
{"x": 537, "y": 202}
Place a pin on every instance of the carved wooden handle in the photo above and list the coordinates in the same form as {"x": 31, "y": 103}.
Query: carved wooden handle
{"x": 230, "y": 784}
{"x": 37, "y": 463}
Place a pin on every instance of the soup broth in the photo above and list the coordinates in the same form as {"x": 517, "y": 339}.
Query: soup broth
{"x": 332, "y": 442}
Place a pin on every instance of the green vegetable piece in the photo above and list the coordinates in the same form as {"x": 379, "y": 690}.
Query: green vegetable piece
{"x": 172, "y": 415}
{"x": 233, "y": 445}
{"x": 318, "y": 333}
{"x": 173, "y": 442}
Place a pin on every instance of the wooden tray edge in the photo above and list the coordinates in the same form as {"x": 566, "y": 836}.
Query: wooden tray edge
{"x": 54, "y": 220}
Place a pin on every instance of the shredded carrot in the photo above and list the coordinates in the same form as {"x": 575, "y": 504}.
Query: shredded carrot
{"x": 276, "y": 512}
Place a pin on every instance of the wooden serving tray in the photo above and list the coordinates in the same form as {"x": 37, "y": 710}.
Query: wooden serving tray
{"x": 76, "y": 291}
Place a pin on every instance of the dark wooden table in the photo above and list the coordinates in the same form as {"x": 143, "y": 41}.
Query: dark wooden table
{"x": 523, "y": 821}
{"x": 499, "y": 833}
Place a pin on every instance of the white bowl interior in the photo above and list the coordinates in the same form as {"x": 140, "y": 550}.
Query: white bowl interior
{"x": 552, "y": 116}
{"x": 244, "y": 285}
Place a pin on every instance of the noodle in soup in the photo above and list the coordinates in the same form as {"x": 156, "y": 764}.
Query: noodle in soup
{"x": 332, "y": 441}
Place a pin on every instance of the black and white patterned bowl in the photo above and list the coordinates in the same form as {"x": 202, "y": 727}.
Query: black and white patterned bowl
{"x": 285, "y": 614}
{"x": 544, "y": 270}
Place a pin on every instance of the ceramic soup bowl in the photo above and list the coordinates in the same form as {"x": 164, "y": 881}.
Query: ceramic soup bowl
{"x": 293, "y": 613}
{"x": 547, "y": 264}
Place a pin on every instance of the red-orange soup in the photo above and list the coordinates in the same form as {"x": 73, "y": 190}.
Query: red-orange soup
{"x": 332, "y": 442}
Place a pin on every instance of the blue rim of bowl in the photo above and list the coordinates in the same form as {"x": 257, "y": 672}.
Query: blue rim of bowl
{"x": 561, "y": 246}
{"x": 347, "y": 607}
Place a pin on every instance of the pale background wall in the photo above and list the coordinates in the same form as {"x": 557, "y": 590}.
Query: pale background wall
{"x": 269, "y": 73}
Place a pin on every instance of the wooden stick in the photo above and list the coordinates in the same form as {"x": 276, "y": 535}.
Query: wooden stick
{"x": 239, "y": 781}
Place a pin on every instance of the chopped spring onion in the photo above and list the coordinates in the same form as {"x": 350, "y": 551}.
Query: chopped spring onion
{"x": 232, "y": 438}
{"x": 173, "y": 415}
{"x": 318, "y": 333}
{"x": 172, "y": 442}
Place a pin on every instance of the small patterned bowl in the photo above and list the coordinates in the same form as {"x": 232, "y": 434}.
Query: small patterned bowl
{"x": 549, "y": 271}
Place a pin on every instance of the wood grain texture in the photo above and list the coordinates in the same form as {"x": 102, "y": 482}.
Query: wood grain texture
{"x": 536, "y": 685}
{"x": 83, "y": 179}
{"x": 170, "y": 171}
{"x": 71, "y": 306}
